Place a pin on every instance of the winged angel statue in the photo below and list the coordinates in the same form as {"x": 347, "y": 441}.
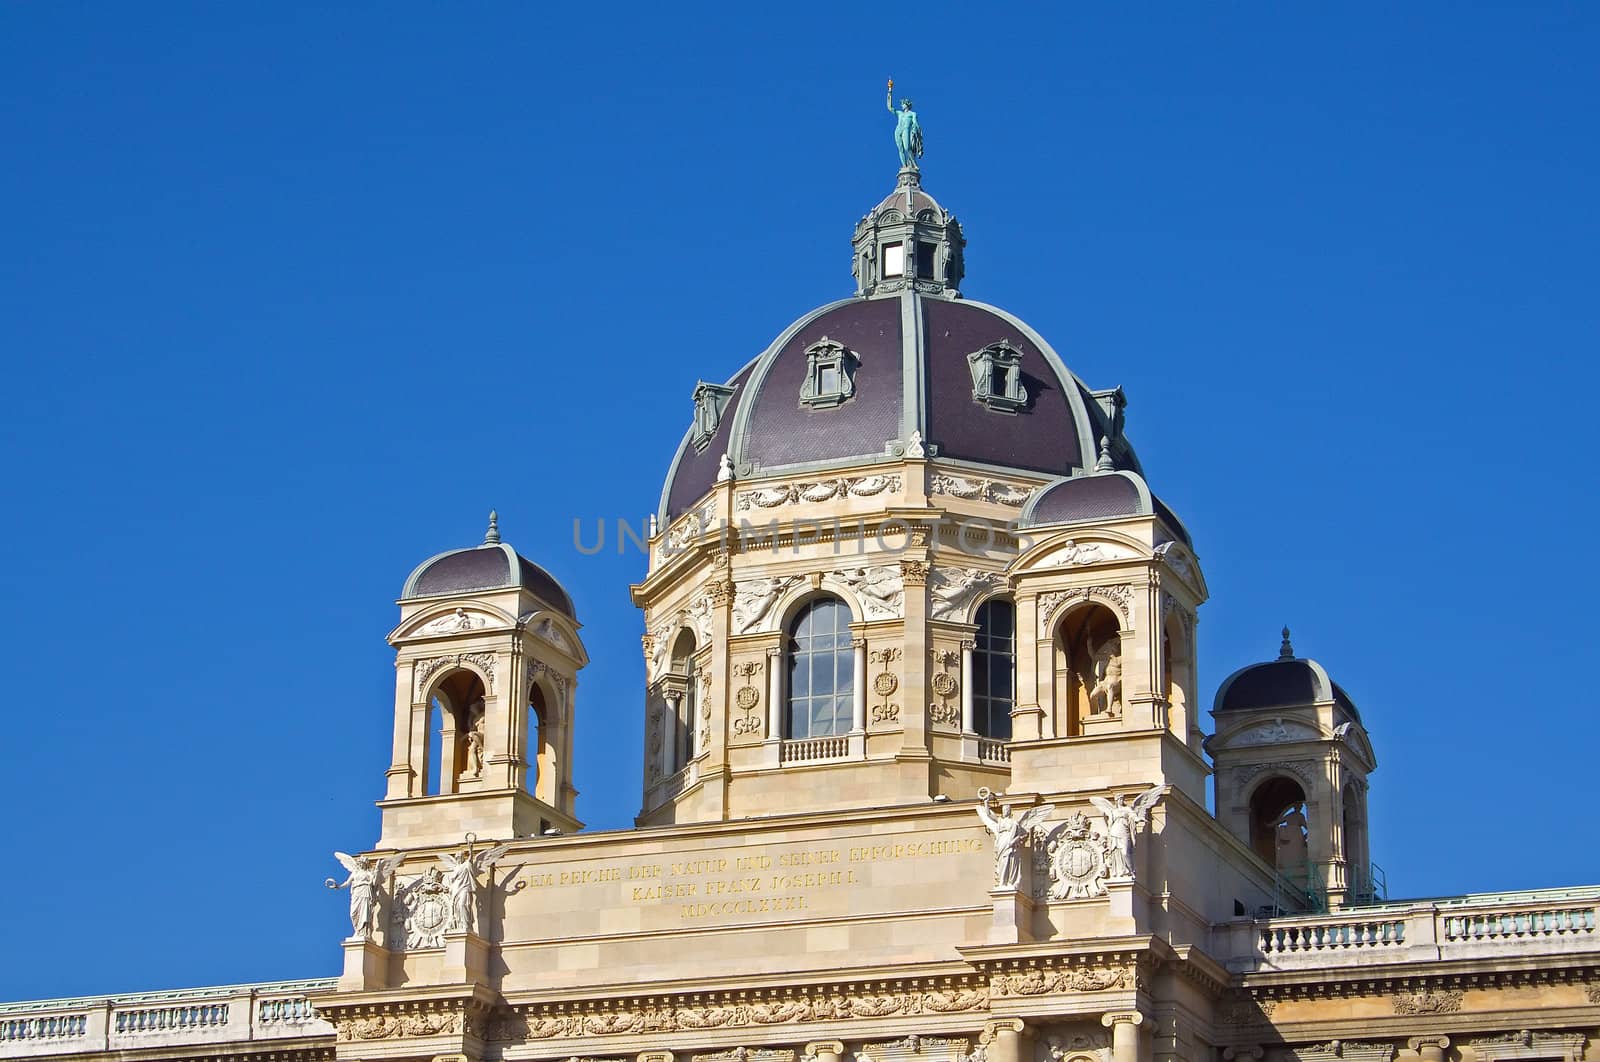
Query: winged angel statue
{"x": 1009, "y": 831}
{"x": 461, "y": 878}
{"x": 365, "y": 883}
{"x": 1122, "y": 823}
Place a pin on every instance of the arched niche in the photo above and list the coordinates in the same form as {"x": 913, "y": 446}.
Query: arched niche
{"x": 1177, "y": 668}
{"x": 453, "y": 756}
{"x": 1087, "y": 651}
{"x": 1279, "y": 828}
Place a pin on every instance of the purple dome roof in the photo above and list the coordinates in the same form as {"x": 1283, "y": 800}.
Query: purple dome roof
{"x": 911, "y": 374}
{"x": 491, "y": 566}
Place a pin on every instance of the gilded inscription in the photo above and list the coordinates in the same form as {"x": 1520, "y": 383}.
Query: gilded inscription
{"x": 732, "y": 886}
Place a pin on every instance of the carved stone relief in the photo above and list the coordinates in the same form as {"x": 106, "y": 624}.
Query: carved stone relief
{"x": 547, "y": 631}
{"x": 394, "y": 1026}
{"x": 952, "y": 590}
{"x": 1303, "y": 770}
{"x": 426, "y": 669}
{"x": 884, "y": 685}
{"x": 633, "y": 1016}
{"x": 1447, "y": 1001}
{"x": 1276, "y": 731}
{"x": 1050, "y": 602}
{"x": 946, "y": 711}
{"x": 816, "y": 492}
{"x": 753, "y": 600}
{"x": 1073, "y": 553}
{"x": 461, "y": 620}
{"x": 1348, "y": 1050}
{"x": 747, "y": 697}
{"x": 991, "y": 490}
{"x": 880, "y": 588}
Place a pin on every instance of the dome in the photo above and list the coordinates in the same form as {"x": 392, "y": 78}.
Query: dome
{"x": 1100, "y": 495}
{"x": 494, "y": 565}
{"x": 913, "y": 371}
{"x": 1286, "y": 682}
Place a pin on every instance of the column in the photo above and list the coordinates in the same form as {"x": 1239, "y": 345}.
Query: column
{"x": 1124, "y": 1026}
{"x": 1002, "y": 1040}
{"x": 825, "y": 1050}
{"x": 966, "y": 687}
{"x": 775, "y": 693}
{"x": 858, "y": 715}
{"x": 1431, "y": 1048}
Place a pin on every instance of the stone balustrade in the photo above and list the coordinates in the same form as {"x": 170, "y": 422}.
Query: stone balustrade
{"x": 807, "y": 750}
{"x": 273, "y": 1011}
{"x": 1547, "y": 921}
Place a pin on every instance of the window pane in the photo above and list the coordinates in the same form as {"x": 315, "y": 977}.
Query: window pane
{"x": 925, "y": 260}
{"x": 894, "y": 260}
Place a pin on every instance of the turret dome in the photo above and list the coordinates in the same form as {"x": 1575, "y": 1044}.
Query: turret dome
{"x": 493, "y": 565}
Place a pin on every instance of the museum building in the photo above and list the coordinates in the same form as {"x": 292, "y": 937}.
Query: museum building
{"x": 925, "y": 769}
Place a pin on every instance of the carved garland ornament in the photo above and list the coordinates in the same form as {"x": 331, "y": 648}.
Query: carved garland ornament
{"x": 814, "y": 493}
{"x": 1445, "y": 1002}
{"x": 992, "y": 490}
{"x": 426, "y": 669}
{"x": 746, "y": 697}
{"x": 633, "y": 1018}
{"x": 884, "y": 684}
{"x": 395, "y": 1026}
{"x": 1038, "y": 982}
{"x": 1121, "y": 597}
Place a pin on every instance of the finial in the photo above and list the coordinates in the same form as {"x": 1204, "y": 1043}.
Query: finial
{"x": 724, "y": 468}
{"x": 1105, "y": 463}
{"x": 1286, "y": 651}
{"x": 492, "y": 536}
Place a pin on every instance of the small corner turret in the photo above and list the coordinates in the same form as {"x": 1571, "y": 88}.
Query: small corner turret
{"x": 487, "y": 655}
{"x": 1292, "y": 759}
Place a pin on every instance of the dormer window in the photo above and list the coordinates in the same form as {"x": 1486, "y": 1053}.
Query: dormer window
{"x": 830, "y": 374}
{"x": 997, "y": 377}
{"x": 709, "y": 402}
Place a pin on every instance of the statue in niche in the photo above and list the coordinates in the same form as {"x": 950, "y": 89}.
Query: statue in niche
{"x": 365, "y": 882}
{"x": 1122, "y": 824}
{"x": 1105, "y": 695}
{"x": 461, "y": 879}
{"x": 907, "y": 130}
{"x": 474, "y": 767}
{"x": 1008, "y": 831}
{"x": 1291, "y": 833}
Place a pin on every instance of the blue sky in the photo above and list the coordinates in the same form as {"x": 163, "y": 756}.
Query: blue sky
{"x": 294, "y": 293}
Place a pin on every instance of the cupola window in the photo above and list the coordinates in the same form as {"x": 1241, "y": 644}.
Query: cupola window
{"x": 925, "y": 256}
{"x": 894, "y": 260}
{"x": 709, "y": 402}
{"x": 997, "y": 377}
{"x": 830, "y": 374}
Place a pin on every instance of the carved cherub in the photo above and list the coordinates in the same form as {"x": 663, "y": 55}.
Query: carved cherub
{"x": 364, "y": 882}
{"x": 1122, "y": 823}
{"x": 461, "y": 878}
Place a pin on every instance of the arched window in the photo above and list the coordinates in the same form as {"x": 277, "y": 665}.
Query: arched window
{"x": 821, "y": 670}
{"x": 683, "y": 668}
{"x": 994, "y": 668}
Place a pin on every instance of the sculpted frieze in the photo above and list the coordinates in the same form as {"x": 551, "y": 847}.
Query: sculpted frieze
{"x": 817, "y": 491}
{"x": 976, "y": 488}
{"x": 394, "y": 1026}
{"x": 1039, "y": 981}
{"x": 952, "y": 590}
{"x": 633, "y": 1018}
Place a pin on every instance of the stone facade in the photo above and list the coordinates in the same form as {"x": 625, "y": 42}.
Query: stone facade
{"x": 950, "y": 865}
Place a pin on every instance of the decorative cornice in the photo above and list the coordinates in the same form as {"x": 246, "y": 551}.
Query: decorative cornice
{"x": 795, "y": 1006}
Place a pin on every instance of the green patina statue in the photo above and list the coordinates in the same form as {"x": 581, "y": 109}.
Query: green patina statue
{"x": 907, "y": 131}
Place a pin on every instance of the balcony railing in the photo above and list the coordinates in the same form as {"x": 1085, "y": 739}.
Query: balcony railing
{"x": 1468, "y": 927}
{"x": 275, "y": 1011}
